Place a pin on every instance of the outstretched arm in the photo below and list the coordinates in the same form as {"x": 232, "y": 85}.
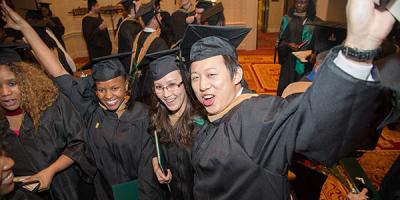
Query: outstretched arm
{"x": 43, "y": 54}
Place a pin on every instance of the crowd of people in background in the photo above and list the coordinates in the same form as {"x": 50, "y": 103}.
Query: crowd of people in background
{"x": 170, "y": 116}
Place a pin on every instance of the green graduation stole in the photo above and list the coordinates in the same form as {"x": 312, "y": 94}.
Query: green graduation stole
{"x": 306, "y": 35}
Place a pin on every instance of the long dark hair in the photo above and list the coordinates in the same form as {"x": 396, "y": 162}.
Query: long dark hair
{"x": 311, "y": 12}
{"x": 182, "y": 132}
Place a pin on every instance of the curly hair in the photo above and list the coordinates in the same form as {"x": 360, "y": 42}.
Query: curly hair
{"x": 38, "y": 92}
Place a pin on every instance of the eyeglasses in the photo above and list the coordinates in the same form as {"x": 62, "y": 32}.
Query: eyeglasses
{"x": 170, "y": 87}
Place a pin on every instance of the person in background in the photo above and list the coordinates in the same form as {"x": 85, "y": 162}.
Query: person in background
{"x": 52, "y": 22}
{"x": 295, "y": 36}
{"x": 128, "y": 30}
{"x": 179, "y": 19}
{"x": 95, "y": 32}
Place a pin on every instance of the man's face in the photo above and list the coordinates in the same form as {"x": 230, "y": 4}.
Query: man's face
{"x": 213, "y": 85}
{"x": 112, "y": 93}
{"x": 199, "y": 12}
{"x": 96, "y": 8}
{"x": 301, "y": 5}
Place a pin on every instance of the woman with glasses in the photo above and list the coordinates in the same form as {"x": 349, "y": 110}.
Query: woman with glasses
{"x": 175, "y": 120}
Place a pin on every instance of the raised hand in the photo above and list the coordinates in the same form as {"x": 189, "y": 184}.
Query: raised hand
{"x": 367, "y": 26}
{"x": 12, "y": 18}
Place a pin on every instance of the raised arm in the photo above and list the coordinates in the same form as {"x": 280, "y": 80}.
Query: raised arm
{"x": 43, "y": 54}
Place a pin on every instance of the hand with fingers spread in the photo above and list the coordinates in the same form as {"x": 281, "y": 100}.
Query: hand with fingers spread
{"x": 360, "y": 196}
{"x": 161, "y": 177}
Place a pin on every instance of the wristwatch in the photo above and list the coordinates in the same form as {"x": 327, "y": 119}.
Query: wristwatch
{"x": 358, "y": 54}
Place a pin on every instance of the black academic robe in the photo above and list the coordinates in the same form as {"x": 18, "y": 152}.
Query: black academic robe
{"x": 178, "y": 19}
{"x": 142, "y": 89}
{"x": 121, "y": 147}
{"x": 56, "y": 26}
{"x": 292, "y": 34}
{"x": 126, "y": 35}
{"x": 97, "y": 41}
{"x": 166, "y": 28}
{"x": 61, "y": 131}
{"x": 178, "y": 161}
{"x": 245, "y": 154}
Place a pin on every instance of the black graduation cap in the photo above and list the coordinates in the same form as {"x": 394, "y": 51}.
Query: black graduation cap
{"x": 107, "y": 67}
{"x": 44, "y": 5}
{"x": 210, "y": 12}
{"x": 327, "y": 34}
{"x": 200, "y": 42}
{"x": 205, "y": 4}
{"x": 162, "y": 63}
{"x": 8, "y": 52}
{"x": 147, "y": 11}
{"x": 126, "y": 3}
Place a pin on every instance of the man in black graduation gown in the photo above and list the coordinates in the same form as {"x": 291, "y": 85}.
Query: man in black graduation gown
{"x": 179, "y": 19}
{"x": 95, "y": 32}
{"x": 245, "y": 150}
{"x": 127, "y": 31}
{"x": 147, "y": 41}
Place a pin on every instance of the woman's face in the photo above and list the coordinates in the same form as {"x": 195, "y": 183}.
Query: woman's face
{"x": 301, "y": 6}
{"x": 6, "y": 174}
{"x": 10, "y": 94}
{"x": 112, "y": 93}
{"x": 171, "y": 91}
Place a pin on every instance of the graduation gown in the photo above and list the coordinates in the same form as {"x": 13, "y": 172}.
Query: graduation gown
{"x": 178, "y": 161}
{"x": 97, "y": 41}
{"x": 178, "y": 19}
{"x": 292, "y": 31}
{"x": 55, "y": 25}
{"x": 61, "y": 131}
{"x": 244, "y": 153}
{"x": 143, "y": 84}
{"x": 127, "y": 32}
{"x": 121, "y": 147}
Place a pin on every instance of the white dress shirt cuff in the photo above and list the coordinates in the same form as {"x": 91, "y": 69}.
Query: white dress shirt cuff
{"x": 355, "y": 69}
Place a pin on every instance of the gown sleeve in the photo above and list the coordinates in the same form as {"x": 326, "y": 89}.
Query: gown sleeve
{"x": 73, "y": 130}
{"x": 328, "y": 122}
{"x": 80, "y": 91}
{"x": 149, "y": 187}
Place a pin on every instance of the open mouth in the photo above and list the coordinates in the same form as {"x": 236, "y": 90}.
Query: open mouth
{"x": 111, "y": 103}
{"x": 170, "y": 102}
{"x": 208, "y": 100}
{"x": 9, "y": 103}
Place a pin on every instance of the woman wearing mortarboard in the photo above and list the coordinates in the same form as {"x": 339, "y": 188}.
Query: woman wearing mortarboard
{"x": 174, "y": 120}
{"x": 117, "y": 127}
{"x": 295, "y": 36}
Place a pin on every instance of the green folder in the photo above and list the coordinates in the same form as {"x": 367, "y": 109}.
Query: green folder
{"x": 126, "y": 191}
